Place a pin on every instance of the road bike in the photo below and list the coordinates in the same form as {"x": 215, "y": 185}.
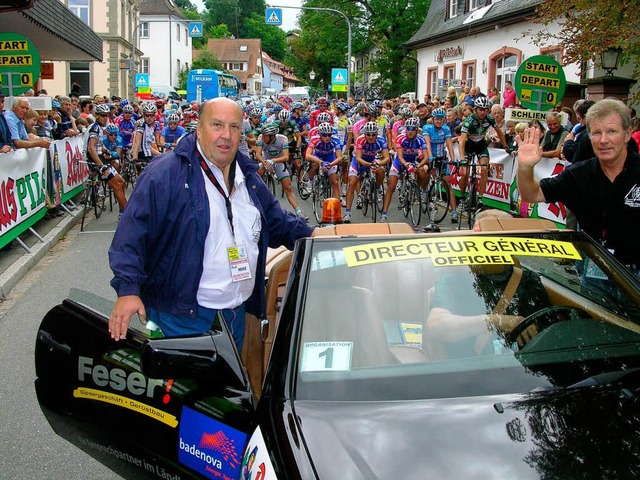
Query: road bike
{"x": 95, "y": 194}
{"x": 303, "y": 181}
{"x": 409, "y": 197}
{"x": 469, "y": 201}
{"x": 320, "y": 192}
{"x": 369, "y": 194}
{"x": 437, "y": 202}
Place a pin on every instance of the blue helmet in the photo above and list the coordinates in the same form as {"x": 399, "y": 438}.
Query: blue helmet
{"x": 111, "y": 128}
{"x": 439, "y": 113}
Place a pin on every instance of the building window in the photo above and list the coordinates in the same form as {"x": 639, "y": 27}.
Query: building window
{"x": 469, "y": 73}
{"x": 449, "y": 72}
{"x": 178, "y": 32}
{"x": 237, "y": 66}
{"x": 186, "y": 37}
{"x": 144, "y": 65}
{"x": 474, "y": 4}
{"x": 123, "y": 19}
{"x": 178, "y": 65}
{"x": 144, "y": 30}
{"x": 432, "y": 80}
{"x": 453, "y": 8}
{"x": 80, "y": 73}
{"x": 553, "y": 52}
{"x": 506, "y": 68}
{"x": 81, "y": 9}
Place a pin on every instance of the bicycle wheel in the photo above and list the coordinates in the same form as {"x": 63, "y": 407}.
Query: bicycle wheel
{"x": 304, "y": 184}
{"x": 373, "y": 198}
{"x": 271, "y": 183}
{"x": 319, "y": 197}
{"x": 130, "y": 175}
{"x": 380, "y": 197}
{"x": 406, "y": 202}
{"x": 364, "y": 196}
{"x": 85, "y": 201}
{"x": 438, "y": 200}
{"x": 99, "y": 198}
{"x": 471, "y": 204}
{"x": 415, "y": 207}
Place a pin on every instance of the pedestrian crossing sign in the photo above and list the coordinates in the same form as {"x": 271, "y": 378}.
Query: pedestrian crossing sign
{"x": 273, "y": 16}
{"x": 339, "y": 76}
{"x": 195, "y": 29}
{"x": 142, "y": 79}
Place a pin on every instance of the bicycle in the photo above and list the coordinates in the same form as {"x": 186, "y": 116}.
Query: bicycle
{"x": 94, "y": 195}
{"x": 410, "y": 198}
{"x": 271, "y": 179}
{"x": 303, "y": 181}
{"x": 469, "y": 200}
{"x": 368, "y": 194}
{"x": 438, "y": 192}
{"x": 321, "y": 191}
{"x": 129, "y": 171}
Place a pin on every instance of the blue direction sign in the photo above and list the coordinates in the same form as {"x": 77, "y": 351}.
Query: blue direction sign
{"x": 273, "y": 16}
{"x": 339, "y": 76}
{"x": 195, "y": 29}
{"x": 142, "y": 79}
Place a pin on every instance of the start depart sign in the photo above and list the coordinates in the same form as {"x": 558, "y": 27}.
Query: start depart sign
{"x": 19, "y": 63}
{"x": 540, "y": 83}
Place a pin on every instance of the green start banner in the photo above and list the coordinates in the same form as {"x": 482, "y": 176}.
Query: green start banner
{"x": 540, "y": 83}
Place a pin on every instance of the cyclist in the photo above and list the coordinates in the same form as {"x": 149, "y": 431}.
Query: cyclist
{"x": 289, "y": 128}
{"x": 126, "y": 126}
{"x": 344, "y": 127}
{"x": 250, "y": 132}
{"x": 147, "y": 137}
{"x": 323, "y": 106}
{"x": 399, "y": 127}
{"x": 297, "y": 114}
{"x": 325, "y": 150}
{"x": 98, "y": 163}
{"x": 439, "y": 139}
{"x": 412, "y": 153}
{"x": 172, "y": 132}
{"x": 473, "y": 140}
{"x": 367, "y": 147}
{"x": 272, "y": 151}
{"x": 111, "y": 147}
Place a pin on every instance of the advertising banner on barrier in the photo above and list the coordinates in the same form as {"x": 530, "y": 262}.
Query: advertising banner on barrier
{"x": 67, "y": 171}
{"x": 502, "y": 190}
{"x": 23, "y": 179}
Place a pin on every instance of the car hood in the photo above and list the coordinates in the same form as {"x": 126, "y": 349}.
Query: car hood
{"x": 582, "y": 433}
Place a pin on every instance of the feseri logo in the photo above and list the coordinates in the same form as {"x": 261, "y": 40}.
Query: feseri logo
{"x": 116, "y": 378}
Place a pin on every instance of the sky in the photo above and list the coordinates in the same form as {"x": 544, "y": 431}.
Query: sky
{"x": 289, "y": 15}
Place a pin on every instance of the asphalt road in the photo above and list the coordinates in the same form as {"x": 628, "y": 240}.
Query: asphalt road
{"x": 30, "y": 448}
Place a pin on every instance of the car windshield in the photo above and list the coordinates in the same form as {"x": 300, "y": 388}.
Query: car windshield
{"x": 452, "y": 316}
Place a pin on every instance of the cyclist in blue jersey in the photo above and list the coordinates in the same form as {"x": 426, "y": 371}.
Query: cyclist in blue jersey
{"x": 147, "y": 136}
{"x": 473, "y": 140}
{"x": 172, "y": 132}
{"x": 127, "y": 126}
{"x": 111, "y": 146}
{"x": 289, "y": 128}
{"x": 412, "y": 152}
{"x": 439, "y": 137}
{"x": 367, "y": 148}
{"x": 325, "y": 150}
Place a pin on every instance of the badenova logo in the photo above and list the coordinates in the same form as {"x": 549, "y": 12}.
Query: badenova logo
{"x": 208, "y": 446}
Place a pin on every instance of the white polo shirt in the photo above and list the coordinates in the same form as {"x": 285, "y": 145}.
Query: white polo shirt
{"x": 217, "y": 290}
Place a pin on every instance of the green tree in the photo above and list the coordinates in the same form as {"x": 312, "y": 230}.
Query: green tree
{"x": 186, "y": 6}
{"x": 234, "y": 14}
{"x": 274, "y": 40}
{"x": 203, "y": 59}
{"x": 587, "y": 28}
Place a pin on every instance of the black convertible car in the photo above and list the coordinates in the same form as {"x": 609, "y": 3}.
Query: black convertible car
{"x": 386, "y": 355}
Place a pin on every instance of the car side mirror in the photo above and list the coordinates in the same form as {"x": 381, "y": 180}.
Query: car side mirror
{"x": 193, "y": 356}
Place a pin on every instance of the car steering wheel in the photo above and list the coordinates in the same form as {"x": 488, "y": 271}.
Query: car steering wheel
{"x": 545, "y": 318}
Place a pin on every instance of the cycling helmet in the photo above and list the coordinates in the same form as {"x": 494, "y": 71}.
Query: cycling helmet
{"x": 124, "y": 102}
{"x": 324, "y": 117}
{"x": 342, "y": 106}
{"x": 284, "y": 115}
{"x": 277, "y": 109}
{"x": 159, "y": 103}
{"x": 102, "y": 109}
{"x": 149, "y": 108}
{"x": 370, "y": 128}
{"x": 482, "y": 102}
{"x": 55, "y": 104}
{"x": 405, "y": 112}
{"x": 325, "y": 128}
{"x": 111, "y": 106}
{"x": 173, "y": 118}
{"x": 270, "y": 129}
{"x": 256, "y": 112}
{"x": 412, "y": 122}
{"x": 440, "y": 112}
{"x": 296, "y": 105}
{"x": 322, "y": 101}
{"x": 191, "y": 126}
{"x": 127, "y": 109}
{"x": 376, "y": 104}
{"x": 111, "y": 128}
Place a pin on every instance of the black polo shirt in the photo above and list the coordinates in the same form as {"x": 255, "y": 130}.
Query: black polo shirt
{"x": 608, "y": 211}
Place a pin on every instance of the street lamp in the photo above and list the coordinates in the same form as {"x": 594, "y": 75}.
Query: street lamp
{"x": 312, "y": 75}
{"x": 610, "y": 59}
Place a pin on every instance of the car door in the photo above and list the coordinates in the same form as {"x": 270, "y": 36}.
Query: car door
{"x": 161, "y": 407}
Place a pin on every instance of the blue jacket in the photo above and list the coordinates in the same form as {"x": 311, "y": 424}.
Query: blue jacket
{"x": 158, "y": 248}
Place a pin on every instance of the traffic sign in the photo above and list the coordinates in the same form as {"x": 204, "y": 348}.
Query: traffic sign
{"x": 142, "y": 79}
{"x": 19, "y": 63}
{"x": 339, "y": 76}
{"x": 540, "y": 83}
{"x": 337, "y": 88}
{"x": 273, "y": 16}
{"x": 195, "y": 29}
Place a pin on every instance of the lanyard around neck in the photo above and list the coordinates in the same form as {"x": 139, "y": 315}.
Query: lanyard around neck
{"x": 232, "y": 176}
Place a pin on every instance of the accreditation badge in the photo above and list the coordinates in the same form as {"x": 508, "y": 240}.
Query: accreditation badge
{"x": 239, "y": 263}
